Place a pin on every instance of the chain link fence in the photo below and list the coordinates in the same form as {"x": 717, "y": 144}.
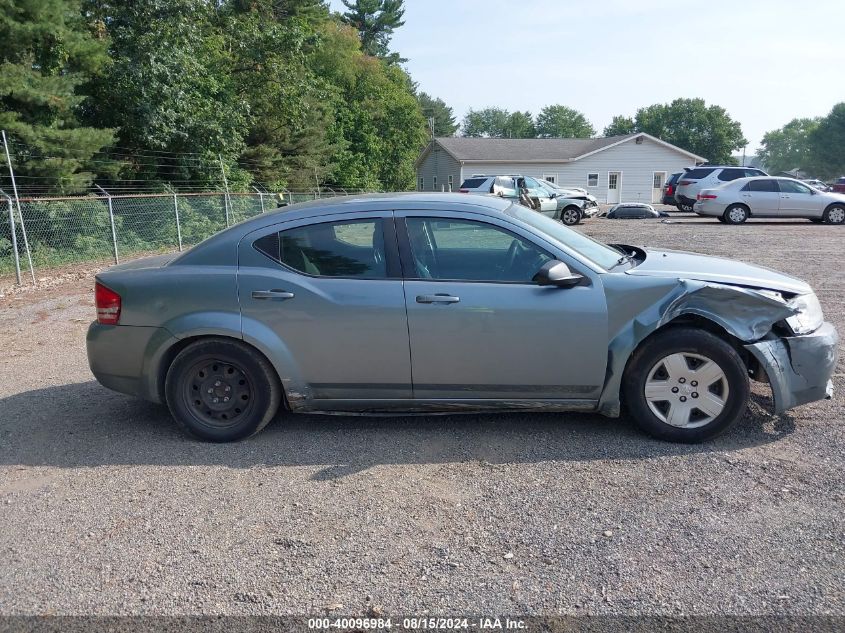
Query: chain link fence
{"x": 48, "y": 233}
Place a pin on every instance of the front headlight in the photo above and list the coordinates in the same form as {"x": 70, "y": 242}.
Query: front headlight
{"x": 809, "y": 317}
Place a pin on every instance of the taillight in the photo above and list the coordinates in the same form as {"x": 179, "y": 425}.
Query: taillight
{"x": 684, "y": 183}
{"x": 706, "y": 196}
{"x": 108, "y": 304}
{"x": 670, "y": 189}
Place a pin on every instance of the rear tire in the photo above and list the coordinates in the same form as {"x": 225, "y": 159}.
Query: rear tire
{"x": 673, "y": 374}
{"x": 570, "y": 216}
{"x": 685, "y": 207}
{"x": 221, "y": 390}
{"x": 721, "y": 219}
{"x": 834, "y": 214}
{"x": 736, "y": 214}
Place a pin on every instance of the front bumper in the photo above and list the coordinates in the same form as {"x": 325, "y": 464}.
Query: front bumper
{"x": 799, "y": 368}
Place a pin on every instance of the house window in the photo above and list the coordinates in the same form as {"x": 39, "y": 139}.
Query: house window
{"x": 552, "y": 178}
{"x": 592, "y": 180}
{"x": 434, "y": 183}
{"x": 450, "y": 182}
{"x": 422, "y": 184}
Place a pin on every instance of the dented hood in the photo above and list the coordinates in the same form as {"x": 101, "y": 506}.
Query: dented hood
{"x": 682, "y": 265}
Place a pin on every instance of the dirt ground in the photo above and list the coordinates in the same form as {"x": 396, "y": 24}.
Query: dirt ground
{"x": 105, "y": 508}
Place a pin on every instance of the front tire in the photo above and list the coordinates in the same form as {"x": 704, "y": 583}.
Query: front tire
{"x": 685, "y": 385}
{"x": 221, "y": 390}
{"x": 570, "y": 216}
{"x": 834, "y": 214}
{"x": 736, "y": 214}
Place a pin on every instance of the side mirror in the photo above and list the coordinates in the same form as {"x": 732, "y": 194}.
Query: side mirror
{"x": 552, "y": 195}
{"x": 556, "y": 273}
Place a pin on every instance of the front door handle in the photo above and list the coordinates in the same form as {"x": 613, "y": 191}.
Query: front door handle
{"x": 440, "y": 297}
{"x": 277, "y": 295}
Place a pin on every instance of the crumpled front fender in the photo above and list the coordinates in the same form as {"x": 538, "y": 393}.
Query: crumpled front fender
{"x": 633, "y": 316}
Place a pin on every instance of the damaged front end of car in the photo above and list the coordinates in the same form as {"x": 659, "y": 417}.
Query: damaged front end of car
{"x": 781, "y": 336}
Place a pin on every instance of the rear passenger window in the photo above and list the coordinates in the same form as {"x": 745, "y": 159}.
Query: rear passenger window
{"x": 330, "y": 249}
{"x": 767, "y": 185}
{"x": 727, "y": 175}
{"x": 472, "y": 183}
{"x": 698, "y": 173}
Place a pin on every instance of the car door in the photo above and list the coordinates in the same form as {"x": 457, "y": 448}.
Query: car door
{"x": 480, "y": 328}
{"x": 328, "y": 293}
{"x": 548, "y": 205}
{"x": 798, "y": 200}
{"x": 762, "y": 196}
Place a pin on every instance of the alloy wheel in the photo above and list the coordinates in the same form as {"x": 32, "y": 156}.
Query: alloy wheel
{"x": 836, "y": 215}
{"x": 686, "y": 390}
{"x": 570, "y": 216}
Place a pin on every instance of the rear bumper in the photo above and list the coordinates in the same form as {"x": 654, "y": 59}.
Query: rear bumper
{"x": 125, "y": 358}
{"x": 799, "y": 368}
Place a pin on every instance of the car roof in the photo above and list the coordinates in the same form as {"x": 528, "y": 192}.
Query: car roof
{"x": 432, "y": 201}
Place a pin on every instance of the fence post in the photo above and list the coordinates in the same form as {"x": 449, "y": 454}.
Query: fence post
{"x": 14, "y": 240}
{"x": 260, "y": 198}
{"x": 226, "y": 187}
{"x": 178, "y": 225}
{"x": 111, "y": 221}
{"x": 18, "y": 202}
{"x": 290, "y": 197}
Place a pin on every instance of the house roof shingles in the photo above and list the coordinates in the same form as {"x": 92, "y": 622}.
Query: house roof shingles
{"x": 524, "y": 149}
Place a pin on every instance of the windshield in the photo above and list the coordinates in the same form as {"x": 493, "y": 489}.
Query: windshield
{"x": 595, "y": 251}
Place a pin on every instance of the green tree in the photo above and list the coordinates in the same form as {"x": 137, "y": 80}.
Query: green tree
{"x": 695, "y": 127}
{"x": 442, "y": 116}
{"x": 498, "y": 123}
{"x": 271, "y": 44}
{"x": 378, "y": 128}
{"x": 827, "y": 142}
{"x": 172, "y": 89}
{"x": 560, "y": 121}
{"x": 48, "y": 53}
{"x": 789, "y": 147}
{"x": 620, "y": 126}
{"x": 375, "y": 21}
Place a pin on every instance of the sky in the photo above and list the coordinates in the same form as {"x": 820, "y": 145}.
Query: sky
{"x": 765, "y": 61}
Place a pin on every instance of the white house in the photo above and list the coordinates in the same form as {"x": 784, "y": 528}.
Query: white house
{"x": 630, "y": 168}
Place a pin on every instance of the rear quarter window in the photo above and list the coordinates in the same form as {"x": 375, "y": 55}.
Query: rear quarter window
{"x": 473, "y": 183}
{"x": 727, "y": 175}
{"x": 698, "y": 173}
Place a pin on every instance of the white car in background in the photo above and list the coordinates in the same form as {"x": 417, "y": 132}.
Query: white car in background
{"x": 708, "y": 176}
{"x": 769, "y": 197}
{"x": 567, "y": 206}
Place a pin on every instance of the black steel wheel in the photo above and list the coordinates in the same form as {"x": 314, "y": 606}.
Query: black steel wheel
{"x": 221, "y": 390}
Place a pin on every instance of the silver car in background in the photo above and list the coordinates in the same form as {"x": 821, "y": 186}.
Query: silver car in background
{"x": 707, "y": 177}
{"x": 400, "y": 303}
{"x": 573, "y": 205}
{"x": 770, "y": 197}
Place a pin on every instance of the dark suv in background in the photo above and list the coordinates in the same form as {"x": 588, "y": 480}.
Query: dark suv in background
{"x": 669, "y": 188}
{"x": 708, "y": 177}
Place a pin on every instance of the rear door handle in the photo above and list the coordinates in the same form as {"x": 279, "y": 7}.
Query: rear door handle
{"x": 438, "y": 298}
{"x": 278, "y": 295}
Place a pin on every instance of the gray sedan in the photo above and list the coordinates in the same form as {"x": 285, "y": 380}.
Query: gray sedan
{"x": 767, "y": 197}
{"x": 444, "y": 302}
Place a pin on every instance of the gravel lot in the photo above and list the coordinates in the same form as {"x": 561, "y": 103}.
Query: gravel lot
{"x": 106, "y": 509}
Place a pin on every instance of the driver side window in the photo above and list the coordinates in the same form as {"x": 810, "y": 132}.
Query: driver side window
{"x": 464, "y": 250}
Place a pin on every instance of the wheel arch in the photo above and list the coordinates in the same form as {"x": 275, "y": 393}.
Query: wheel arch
{"x": 710, "y": 326}
{"x": 170, "y": 354}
